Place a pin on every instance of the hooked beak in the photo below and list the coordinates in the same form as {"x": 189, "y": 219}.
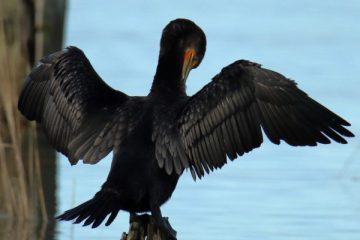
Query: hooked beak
{"x": 189, "y": 62}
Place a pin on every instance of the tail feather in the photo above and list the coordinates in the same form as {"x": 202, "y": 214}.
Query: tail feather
{"x": 95, "y": 210}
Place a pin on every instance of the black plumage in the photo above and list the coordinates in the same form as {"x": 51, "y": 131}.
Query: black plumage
{"x": 154, "y": 138}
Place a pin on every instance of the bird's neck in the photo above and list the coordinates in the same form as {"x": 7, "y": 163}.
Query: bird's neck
{"x": 168, "y": 81}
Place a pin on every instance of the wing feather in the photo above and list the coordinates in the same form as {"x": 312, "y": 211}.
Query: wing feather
{"x": 227, "y": 116}
{"x": 79, "y": 112}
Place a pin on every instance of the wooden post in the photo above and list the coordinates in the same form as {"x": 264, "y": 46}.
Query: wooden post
{"x": 49, "y": 24}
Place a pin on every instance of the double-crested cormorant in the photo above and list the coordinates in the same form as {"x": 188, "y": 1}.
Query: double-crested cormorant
{"x": 154, "y": 138}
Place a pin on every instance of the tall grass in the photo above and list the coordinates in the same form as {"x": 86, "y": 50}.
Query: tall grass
{"x": 25, "y": 36}
{"x": 21, "y": 194}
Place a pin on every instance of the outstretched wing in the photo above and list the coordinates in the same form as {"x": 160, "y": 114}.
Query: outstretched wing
{"x": 79, "y": 112}
{"x": 225, "y": 118}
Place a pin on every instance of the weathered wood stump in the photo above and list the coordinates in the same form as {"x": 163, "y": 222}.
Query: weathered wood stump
{"x": 143, "y": 227}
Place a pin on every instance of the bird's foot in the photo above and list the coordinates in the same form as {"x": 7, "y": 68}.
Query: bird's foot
{"x": 143, "y": 219}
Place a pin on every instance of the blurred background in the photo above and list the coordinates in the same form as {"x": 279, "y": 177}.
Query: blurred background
{"x": 274, "y": 192}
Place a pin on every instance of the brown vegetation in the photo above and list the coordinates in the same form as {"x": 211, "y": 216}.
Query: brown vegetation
{"x": 20, "y": 182}
{"x": 23, "y": 157}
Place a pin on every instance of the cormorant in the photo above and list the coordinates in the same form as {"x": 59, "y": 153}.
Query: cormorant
{"x": 154, "y": 138}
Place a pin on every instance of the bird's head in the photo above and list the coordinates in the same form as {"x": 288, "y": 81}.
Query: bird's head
{"x": 183, "y": 41}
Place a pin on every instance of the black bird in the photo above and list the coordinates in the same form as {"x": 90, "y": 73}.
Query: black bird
{"x": 154, "y": 138}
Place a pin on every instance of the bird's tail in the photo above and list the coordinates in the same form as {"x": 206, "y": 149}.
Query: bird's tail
{"x": 95, "y": 210}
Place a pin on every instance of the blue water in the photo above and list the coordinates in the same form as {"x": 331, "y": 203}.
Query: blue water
{"x": 275, "y": 192}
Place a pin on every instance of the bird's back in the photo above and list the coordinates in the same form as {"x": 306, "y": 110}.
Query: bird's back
{"x": 135, "y": 172}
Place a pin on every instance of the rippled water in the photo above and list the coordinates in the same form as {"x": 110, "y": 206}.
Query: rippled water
{"x": 275, "y": 192}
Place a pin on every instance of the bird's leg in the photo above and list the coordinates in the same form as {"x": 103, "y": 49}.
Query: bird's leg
{"x": 163, "y": 224}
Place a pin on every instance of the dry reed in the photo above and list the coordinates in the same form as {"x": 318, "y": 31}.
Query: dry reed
{"x": 21, "y": 195}
{"x": 24, "y": 36}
